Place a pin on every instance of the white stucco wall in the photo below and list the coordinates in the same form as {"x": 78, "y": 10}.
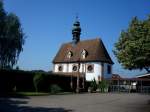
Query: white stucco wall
{"x": 68, "y": 67}
{"x": 57, "y": 65}
{"x": 97, "y": 71}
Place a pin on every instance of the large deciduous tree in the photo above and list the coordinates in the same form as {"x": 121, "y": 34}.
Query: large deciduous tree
{"x": 133, "y": 47}
{"x": 11, "y": 38}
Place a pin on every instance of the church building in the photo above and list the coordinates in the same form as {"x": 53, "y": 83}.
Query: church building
{"x": 87, "y": 57}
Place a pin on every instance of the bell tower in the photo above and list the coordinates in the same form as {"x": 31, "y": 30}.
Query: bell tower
{"x": 76, "y": 31}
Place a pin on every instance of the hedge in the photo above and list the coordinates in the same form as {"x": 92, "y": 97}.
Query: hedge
{"x": 22, "y": 81}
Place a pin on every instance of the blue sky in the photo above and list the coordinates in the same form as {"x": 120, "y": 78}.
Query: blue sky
{"x": 48, "y": 23}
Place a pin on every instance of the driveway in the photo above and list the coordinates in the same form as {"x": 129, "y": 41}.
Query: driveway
{"x": 94, "y": 102}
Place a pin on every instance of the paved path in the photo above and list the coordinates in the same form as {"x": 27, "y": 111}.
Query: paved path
{"x": 94, "y": 102}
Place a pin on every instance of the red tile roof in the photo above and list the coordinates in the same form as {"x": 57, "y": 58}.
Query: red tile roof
{"x": 95, "y": 49}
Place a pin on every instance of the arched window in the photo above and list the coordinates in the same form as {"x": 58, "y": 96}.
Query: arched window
{"x": 84, "y": 54}
{"x": 70, "y": 54}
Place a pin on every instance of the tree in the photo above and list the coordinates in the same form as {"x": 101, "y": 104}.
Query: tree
{"x": 37, "y": 80}
{"x": 11, "y": 38}
{"x": 133, "y": 47}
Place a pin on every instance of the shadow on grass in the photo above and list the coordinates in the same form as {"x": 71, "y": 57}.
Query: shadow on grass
{"x": 18, "y": 104}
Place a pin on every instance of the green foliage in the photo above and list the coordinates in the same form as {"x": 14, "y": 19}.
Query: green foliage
{"x": 37, "y": 79}
{"x": 54, "y": 88}
{"x": 11, "y": 38}
{"x": 103, "y": 85}
{"x": 133, "y": 47}
{"x": 93, "y": 85}
{"x": 27, "y": 81}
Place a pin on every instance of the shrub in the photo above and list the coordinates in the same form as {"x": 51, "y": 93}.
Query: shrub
{"x": 55, "y": 89}
{"x": 93, "y": 85}
{"x": 103, "y": 86}
{"x": 37, "y": 79}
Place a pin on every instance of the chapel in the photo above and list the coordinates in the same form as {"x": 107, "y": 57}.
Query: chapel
{"x": 87, "y": 57}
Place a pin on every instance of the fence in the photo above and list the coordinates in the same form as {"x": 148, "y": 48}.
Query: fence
{"x": 130, "y": 85}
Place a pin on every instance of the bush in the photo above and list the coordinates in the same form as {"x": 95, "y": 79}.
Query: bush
{"x": 37, "y": 79}
{"x": 55, "y": 89}
{"x": 93, "y": 86}
{"x": 103, "y": 86}
{"x": 31, "y": 81}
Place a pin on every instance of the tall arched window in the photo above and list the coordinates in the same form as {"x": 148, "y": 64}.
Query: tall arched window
{"x": 109, "y": 69}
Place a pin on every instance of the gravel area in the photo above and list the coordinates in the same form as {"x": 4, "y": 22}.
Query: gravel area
{"x": 94, "y": 102}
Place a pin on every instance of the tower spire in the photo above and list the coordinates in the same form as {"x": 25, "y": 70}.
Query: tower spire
{"x": 77, "y": 17}
{"x": 76, "y": 31}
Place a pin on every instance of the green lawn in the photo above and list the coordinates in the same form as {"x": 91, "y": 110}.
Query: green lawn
{"x": 32, "y": 93}
{"x": 41, "y": 93}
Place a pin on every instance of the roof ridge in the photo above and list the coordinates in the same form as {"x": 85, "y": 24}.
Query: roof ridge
{"x": 97, "y": 38}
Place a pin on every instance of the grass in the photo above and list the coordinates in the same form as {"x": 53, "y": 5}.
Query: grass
{"x": 24, "y": 94}
{"x": 41, "y": 93}
{"x": 32, "y": 93}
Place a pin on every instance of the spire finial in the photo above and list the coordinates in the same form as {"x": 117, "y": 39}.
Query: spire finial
{"x": 77, "y": 17}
